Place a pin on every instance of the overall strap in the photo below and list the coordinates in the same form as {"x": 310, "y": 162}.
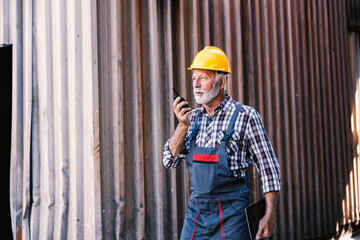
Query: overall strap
{"x": 196, "y": 127}
{"x": 230, "y": 129}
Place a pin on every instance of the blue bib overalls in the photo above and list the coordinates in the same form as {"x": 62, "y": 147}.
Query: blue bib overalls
{"x": 216, "y": 208}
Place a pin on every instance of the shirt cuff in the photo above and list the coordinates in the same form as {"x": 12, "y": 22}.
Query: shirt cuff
{"x": 271, "y": 185}
{"x": 169, "y": 160}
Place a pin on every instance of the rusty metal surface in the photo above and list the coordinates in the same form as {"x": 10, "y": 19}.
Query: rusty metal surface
{"x": 93, "y": 92}
{"x": 290, "y": 61}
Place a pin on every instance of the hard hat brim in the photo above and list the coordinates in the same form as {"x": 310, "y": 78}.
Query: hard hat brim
{"x": 209, "y": 68}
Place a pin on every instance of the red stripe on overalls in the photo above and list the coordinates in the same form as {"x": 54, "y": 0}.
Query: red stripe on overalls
{"x": 195, "y": 220}
{"x": 206, "y": 157}
{"x": 220, "y": 220}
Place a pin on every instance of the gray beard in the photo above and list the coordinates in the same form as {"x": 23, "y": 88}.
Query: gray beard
{"x": 208, "y": 95}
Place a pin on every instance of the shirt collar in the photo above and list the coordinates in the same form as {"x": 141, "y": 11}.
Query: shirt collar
{"x": 225, "y": 105}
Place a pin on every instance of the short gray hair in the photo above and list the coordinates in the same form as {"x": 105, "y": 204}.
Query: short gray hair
{"x": 219, "y": 75}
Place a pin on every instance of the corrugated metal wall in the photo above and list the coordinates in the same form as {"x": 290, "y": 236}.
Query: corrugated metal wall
{"x": 290, "y": 61}
{"x": 92, "y": 107}
{"x": 55, "y": 168}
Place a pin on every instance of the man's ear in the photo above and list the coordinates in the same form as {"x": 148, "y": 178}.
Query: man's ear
{"x": 222, "y": 82}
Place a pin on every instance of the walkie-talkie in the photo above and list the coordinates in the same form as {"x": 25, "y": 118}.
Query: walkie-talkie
{"x": 181, "y": 98}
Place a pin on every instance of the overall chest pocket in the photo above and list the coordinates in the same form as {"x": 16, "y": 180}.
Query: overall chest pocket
{"x": 205, "y": 167}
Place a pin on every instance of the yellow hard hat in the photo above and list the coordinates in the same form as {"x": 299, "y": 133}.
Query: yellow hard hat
{"x": 211, "y": 58}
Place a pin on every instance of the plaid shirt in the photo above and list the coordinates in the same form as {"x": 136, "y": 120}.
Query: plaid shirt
{"x": 248, "y": 144}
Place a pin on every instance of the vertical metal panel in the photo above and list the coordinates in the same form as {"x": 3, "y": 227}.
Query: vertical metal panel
{"x": 55, "y": 179}
{"x": 93, "y": 95}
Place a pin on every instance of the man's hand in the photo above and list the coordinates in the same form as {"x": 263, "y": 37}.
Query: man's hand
{"x": 266, "y": 224}
{"x": 176, "y": 143}
{"x": 266, "y": 227}
{"x": 181, "y": 113}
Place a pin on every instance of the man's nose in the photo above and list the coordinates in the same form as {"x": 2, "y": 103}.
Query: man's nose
{"x": 196, "y": 83}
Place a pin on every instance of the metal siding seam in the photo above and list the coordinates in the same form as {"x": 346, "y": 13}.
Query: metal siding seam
{"x": 120, "y": 194}
{"x": 156, "y": 119}
{"x": 27, "y": 107}
{"x": 226, "y": 31}
{"x": 296, "y": 22}
{"x": 341, "y": 165}
{"x": 256, "y": 76}
{"x": 217, "y": 37}
{"x": 78, "y": 95}
{"x": 317, "y": 124}
{"x": 35, "y": 148}
{"x": 316, "y": 144}
{"x": 128, "y": 190}
{"x": 248, "y": 59}
{"x": 138, "y": 144}
{"x": 324, "y": 46}
{"x": 108, "y": 207}
{"x": 302, "y": 74}
{"x": 194, "y": 36}
{"x": 286, "y": 87}
{"x": 258, "y": 65}
{"x": 49, "y": 105}
{"x": 333, "y": 117}
{"x": 73, "y": 224}
{"x": 320, "y": 121}
{"x": 181, "y": 66}
{"x": 238, "y": 75}
{"x": 91, "y": 158}
{"x": 173, "y": 219}
{"x": 347, "y": 95}
{"x": 64, "y": 132}
{"x": 267, "y": 90}
{"x": 117, "y": 123}
{"x": 309, "y": 110}
{"x": 276, "y": 106}
{"x": 283, "y": 155}
{"x": 58, "y": 151}
{"x": 15, "y": 37}
{"x": 41, "y": 230}
{"x": 206, "y": 23}
{"x": 345, "y": 108}
{"x": 336, "y": 192}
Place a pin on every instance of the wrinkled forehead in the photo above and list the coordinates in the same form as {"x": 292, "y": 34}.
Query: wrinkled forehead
{"x": 199, "y": 72}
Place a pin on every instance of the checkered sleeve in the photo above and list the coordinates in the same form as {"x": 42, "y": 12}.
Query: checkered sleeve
{"x": 263, "y": 153}
{"x": 168, "y": 160}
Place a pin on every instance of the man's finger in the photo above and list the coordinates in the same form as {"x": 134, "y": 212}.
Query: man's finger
{"x": 261, "y": 229}
{"x": 259, "y": 233}
{"x": 177, "y": 100}
{"x": 184, "y": 114}
{"x": 188, "y": 113}
{"x": 182, "y": 104}
{"x": 184, "y": 110}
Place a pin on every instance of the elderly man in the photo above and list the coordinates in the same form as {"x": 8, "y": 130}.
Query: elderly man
{"x": 219, "y": 141}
